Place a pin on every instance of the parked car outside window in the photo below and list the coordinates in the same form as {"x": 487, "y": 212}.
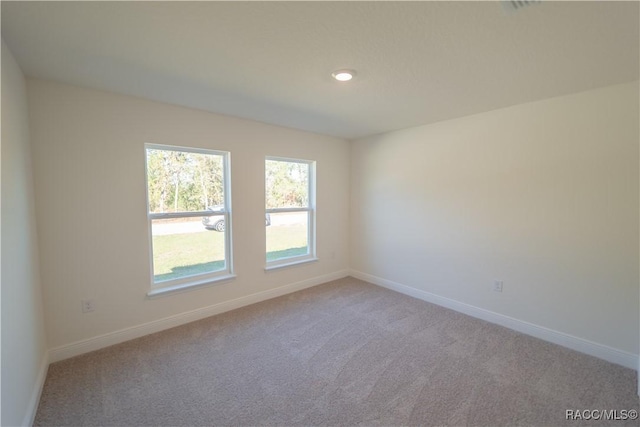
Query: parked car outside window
{"x": 216, "y": 222}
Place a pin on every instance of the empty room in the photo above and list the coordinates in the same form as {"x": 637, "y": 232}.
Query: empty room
{"x": 320, "y": 213}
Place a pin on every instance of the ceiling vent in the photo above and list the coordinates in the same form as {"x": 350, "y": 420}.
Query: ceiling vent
{"x": 512, "y": 6}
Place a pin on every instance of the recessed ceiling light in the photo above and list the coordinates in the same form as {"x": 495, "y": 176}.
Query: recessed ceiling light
{"x": 343, "y": 75}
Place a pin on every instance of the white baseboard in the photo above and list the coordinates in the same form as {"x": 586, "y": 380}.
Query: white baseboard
{"x": 32, "y": 407}
{"x": 610, "y": 354}
{"x": 84, "y": 346}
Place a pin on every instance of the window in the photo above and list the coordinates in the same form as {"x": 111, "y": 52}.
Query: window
{"x": 188, "y": 203}
{"x": 290, "y": 208}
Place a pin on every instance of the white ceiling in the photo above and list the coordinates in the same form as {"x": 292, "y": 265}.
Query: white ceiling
{"x": 417, "y": 62}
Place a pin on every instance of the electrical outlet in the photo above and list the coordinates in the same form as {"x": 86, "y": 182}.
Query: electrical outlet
{"x": 497, "y": 285}
{"x": 88, "y": 305}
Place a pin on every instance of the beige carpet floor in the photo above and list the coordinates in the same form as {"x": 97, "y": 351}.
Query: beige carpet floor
{"x": 343, "y": 353}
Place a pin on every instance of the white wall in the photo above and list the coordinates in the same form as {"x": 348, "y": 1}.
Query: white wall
{"x": 90, "y": 186}
{"x": 23, "y": 339}
{"x": 543, "y": 196}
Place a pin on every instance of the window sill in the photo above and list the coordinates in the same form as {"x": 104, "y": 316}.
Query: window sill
{"x": 290, "y": 264}
{"x": 188, "y": 286}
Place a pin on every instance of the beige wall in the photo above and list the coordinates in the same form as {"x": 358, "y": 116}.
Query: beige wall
{"x": 88, "y": 150}
{"x": 23, "y": 339}
{"x": 543, "y": 196}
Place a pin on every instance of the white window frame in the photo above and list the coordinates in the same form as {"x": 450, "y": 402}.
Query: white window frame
{"x": 311, "y": 217}
{"x": 197, "y": 280}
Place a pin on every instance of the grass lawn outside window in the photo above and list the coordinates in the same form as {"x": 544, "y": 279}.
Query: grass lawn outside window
{"x": 195, "y": 252}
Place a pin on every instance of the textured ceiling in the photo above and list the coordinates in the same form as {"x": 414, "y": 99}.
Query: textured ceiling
{"x": 417, "y": 62}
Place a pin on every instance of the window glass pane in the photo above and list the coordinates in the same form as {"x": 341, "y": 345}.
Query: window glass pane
{"x": 288, "y": 235}
{"x": 185, "y": 247}
{"x": 287, "y": 184}
{"x": 180, "y": 181}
